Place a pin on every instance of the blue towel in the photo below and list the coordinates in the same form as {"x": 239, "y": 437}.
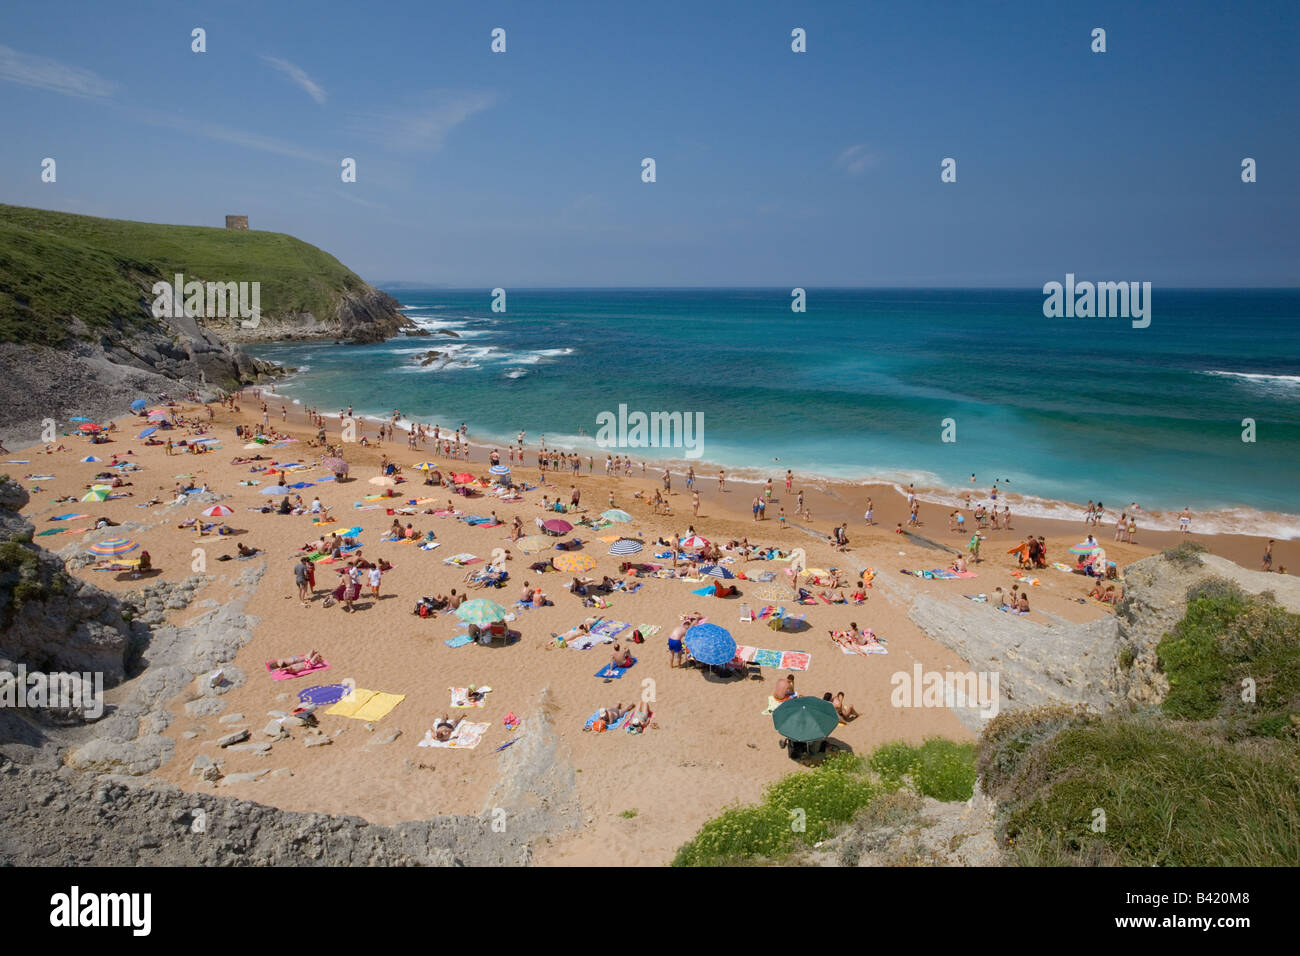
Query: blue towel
{"x": 460, "y": 640}
{"x": 610, "y": 672}
{"x": 704, "y": 591}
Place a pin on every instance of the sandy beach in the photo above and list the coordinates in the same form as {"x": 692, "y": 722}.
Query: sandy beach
{"x": 710, "y": 744}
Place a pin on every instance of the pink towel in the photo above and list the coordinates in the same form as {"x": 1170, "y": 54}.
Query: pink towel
{"x": 285, "y": 675}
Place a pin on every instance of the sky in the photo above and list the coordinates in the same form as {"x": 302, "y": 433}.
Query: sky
{"x": 773, "y": 168}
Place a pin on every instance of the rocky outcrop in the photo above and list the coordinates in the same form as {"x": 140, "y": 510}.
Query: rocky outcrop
{"x": 359, "y": 316}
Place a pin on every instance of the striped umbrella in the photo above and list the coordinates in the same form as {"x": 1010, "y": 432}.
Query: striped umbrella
{"x": 1085, "y": 548}
{"x": 91, "y": 458}
{"x": 625, "y": 546}
{"x": 426, "y": 466}
{"x": 217, "y": 511}
{"x": 557, "y": 526}
{"x": 499, "y": 470}
{"x": 717, "y": 571}
{"x": 96, "y": 494}
{"x": 710, "y": 644}
{"x": 111, "y": 547}
{"x": 533, "y": 542}
{"x": 573, "y": 563}
{"x": 481, "y": 611}
{"x": 695, "y": 543}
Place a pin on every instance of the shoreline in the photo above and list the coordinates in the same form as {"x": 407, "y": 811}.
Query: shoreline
{"x": 833, "y": 501}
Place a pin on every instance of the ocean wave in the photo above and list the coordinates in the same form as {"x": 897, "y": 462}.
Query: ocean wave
{"x": 1272, "y": 382}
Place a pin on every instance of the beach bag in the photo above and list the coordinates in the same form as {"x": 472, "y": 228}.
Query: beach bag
{"x": 422, "y": 609}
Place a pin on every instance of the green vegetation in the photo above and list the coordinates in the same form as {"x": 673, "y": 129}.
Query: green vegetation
{"x": 54, "y": 266}
{"x": 809, "y": 805}
{"x": 1234, "y": 659}
{"x": 1211, "y": 778}
{"x": 1186, "y": 555}
{"x": 629, "y": 814}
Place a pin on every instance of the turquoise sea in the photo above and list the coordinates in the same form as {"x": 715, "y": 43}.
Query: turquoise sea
{"x": 859, "y": 386}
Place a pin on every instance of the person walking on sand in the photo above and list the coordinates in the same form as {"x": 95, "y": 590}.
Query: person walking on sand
{"x": 870, "y": 514}
{"x": 722, "y": 480}
{"x": 301, "y": 575}
{"x": 695, "y": 504}
{"x": 1266, "y": 563}
{"x": 1185, "y": 520}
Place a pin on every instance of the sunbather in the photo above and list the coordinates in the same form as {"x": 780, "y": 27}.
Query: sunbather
{"x": 846, "y": 713}
{"x": 640, "y": 718}
{"x": 444, "y": 727}
{"x": 622, "y": 657}
{"x": 297, "y": 664}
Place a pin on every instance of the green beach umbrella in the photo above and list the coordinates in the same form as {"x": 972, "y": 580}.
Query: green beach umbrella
{"x": 805, "y": 719}
{"x": 96, "y": 494}
{"x": 616, "y": 514}
{"x": 481, "y": 611}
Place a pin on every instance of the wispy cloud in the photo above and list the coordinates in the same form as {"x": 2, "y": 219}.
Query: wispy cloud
{"x": 857, "y": 159}
{"x": 237, "y": 137}
{"x": 46, "y": 74}
{"x": 425, "y": 124}
{"x": 298, "y": 76}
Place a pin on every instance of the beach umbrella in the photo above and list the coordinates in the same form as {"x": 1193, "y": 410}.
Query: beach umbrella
{"x": 557, "y": 526}
{"x": 96, "y": 494}
{"x": 573, "y": 563}
{"x": 614, "y": 514}
{"x": 111, "y": 547}
{"x": 533, "y": 542}
{"x": 274, "y": 490}
{"x": 1084, "y": 548}
{"x": 463, "y": 478}
{"x": 481, "y": 611}
{"x": 625, "y": 546}
{"x": 147, "y": 432}
{"x": 80, "y": 418}
{"x": 717, "y": 571}
{"x": 382, "y": 480}
{"x": 139, "y": 405}
{"x": 426, "y": 466}
{"x": 710, "y": 644}
{"x": 334, "y": 464}
{"x": 217, "y": 511}
{"x": 90, "y": 428}
{"x": 694, "y": 543}
{"x": 157, "y": 414}
{"x": 499, "y": 470}
{"x": 804, "y": 719}
{"x": 91, "y": 458}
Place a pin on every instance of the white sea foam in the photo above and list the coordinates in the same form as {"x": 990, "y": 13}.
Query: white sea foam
{"x": 1260, "y": 379}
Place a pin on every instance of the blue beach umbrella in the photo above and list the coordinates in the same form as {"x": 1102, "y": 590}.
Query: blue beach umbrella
{"x": 499, "y": 470}
{"x": 147, "y": 432}
{"x": 717, "y": 571}
{"x": 139, "y": 404}
{"x": 710, "y": 644}
{"x": 91, "y": 458}
{"x": 625, "y": 546}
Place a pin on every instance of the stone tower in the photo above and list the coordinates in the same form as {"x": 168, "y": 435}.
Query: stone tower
{"x": 237, "y": 222}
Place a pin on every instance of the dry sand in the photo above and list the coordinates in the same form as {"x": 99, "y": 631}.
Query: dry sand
{"x": 711, "y": 746}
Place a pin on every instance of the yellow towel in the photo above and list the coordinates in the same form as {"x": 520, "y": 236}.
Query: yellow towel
{"x": 378, "y": 706}
{"x": 352, "y": 703}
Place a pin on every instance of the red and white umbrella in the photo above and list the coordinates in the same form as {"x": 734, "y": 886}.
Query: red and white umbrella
{"x": 695, "y": 543}
{"x": 218, "y": 511}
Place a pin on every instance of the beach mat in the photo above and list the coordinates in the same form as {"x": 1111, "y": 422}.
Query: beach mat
{"x": 610, "y": 672}
{"x": 364, "y": 704}
{"x": 323, "y": 694}
{"x": 466, "y": 736}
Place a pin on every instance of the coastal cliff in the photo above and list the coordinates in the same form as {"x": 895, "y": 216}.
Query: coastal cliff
{"x": 78, "y": 329}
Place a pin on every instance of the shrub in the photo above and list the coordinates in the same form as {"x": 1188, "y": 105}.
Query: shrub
{"x": 1186, "y": 555}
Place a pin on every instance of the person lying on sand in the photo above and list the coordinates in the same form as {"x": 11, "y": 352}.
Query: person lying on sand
{"x": 296, "y": 664}
{"x": 244, "y": 550}
{"x": 640, "y": 718}
{"x": 444, "y": 727}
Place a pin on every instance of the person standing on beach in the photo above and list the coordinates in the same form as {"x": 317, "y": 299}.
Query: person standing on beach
{"x": 300, "y": 575}
{"x": 695, "y": 503}
{"x": 870, "y": 515}
{"x": 789, "y": 480}
{"x": 1132, "y": 530}
{"x": 1267, "y": 561}
{"x": 690, "y": 477}
{"x": 1185, "y": 521}
{"x": 668, "y": 481}
{"x": 767, "y": 490}
{"x": 722, "y": 480}
{"x": 754, "y": 507}
{"x": 781, "y": 518}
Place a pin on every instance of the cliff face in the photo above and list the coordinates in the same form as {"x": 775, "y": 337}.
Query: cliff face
{"x": 358, "y": 315}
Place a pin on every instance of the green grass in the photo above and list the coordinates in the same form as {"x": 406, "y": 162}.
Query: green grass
{"x": 1226, "y": 646}
{"x": 1170, "y": 796}
{"x": 57, "y": 265}
{"x": 807, "y": 806}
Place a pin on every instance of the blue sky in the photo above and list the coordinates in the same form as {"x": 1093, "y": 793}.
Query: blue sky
{"x": 774, "y": 168}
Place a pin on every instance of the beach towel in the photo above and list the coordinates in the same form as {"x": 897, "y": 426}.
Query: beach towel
{"x": 795, "y": 660}
{"x": 703, "y": 592}
{"x": 608, "y": 630}
{"x": 460, "y": 640}
{"x": 863, "y": 649}
{"x": 281, "y": 674}
{"x": 366, "y": 705}
{"x": 460, "y": 697}
{"x": 466, "y": 736}
{"x": 649, "y": 630}
{"x": 772, "y": 704}
{"x": 610, "y": 672}
{"x": 68, "y": 517}
{"x": 430, "y": 545}
{"x": 767, "y": 658}
{"x": 323, "y": 694}
{"x": 614, "y": 726}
